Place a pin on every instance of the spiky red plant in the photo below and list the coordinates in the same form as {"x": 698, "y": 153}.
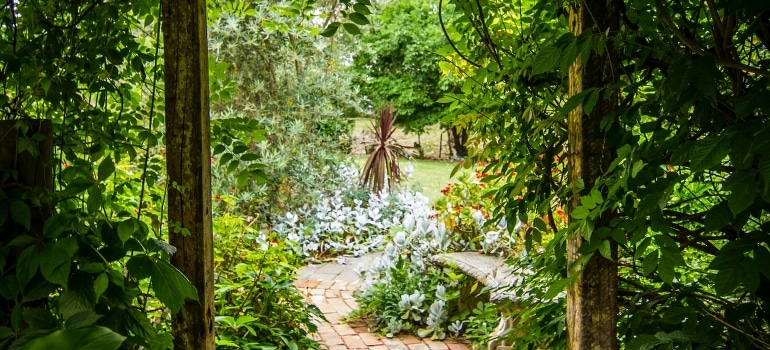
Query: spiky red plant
{"x": 382, "y": 165}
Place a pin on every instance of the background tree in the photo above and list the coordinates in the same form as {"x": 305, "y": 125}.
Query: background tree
{"x": 687, "y": 184}
{"x": 396, "y": 63}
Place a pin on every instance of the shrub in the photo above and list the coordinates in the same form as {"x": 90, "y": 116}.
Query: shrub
{"x": 257, "y": 304}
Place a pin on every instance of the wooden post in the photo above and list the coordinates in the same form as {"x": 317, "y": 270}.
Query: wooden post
{"x": 592, "y": 306}
{"x": 189, "y": 167}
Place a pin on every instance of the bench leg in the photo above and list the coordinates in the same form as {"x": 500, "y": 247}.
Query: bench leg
{"x": 507, "y": 322}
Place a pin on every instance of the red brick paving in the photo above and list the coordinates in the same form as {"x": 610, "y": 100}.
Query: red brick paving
{"x": 335, "y": 300}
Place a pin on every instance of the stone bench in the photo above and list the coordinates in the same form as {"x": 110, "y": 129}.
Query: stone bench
{"x": 498, "y": 277}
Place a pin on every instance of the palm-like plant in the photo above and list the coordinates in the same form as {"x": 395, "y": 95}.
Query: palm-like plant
{"x": 382, "y": 164}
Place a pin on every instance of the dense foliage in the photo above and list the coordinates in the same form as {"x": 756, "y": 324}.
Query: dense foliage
{"x": 396, "y": 63}
{"x": 96, "y": 274}
{"x": 688, "y": 184}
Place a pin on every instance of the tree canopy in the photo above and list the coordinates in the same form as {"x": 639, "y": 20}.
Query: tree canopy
{"x": 396, "y": 62}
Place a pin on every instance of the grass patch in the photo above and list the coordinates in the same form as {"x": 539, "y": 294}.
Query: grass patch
{"x": 429, "y": 177}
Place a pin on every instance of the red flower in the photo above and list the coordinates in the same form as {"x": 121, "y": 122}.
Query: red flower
{"x": 217, "y": 198}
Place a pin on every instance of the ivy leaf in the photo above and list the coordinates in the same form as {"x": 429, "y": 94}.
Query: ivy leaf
{"x": 20, "y": 213}
{"x": 171, "y": 287}
{"x": 709, "y": 152}
{"x": 545, "y": 60}
{"x": 93, "y": 338}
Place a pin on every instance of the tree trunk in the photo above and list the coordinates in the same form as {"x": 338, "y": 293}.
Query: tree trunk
{"x": 189, "y": 166}
{"x": 459, "y": 138}
{"x": 592, "y": 298}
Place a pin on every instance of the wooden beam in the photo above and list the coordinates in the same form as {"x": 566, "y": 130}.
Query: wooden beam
{"x": 592, "y": 306}
{"x": 188, "y": 157}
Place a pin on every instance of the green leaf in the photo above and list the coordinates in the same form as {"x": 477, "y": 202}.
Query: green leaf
{"x": 545, "y": 60}
{"x": 140, "y": 266}
{"x": 78, "y": 298}
{"x": 77, "y": 186}
{"x": 27, "y": 265}
{"x": 580, "y": 212}
{"x": 106, "y": 168}
{"x": 92, "y": 338}
{"x": 362, "y": 9}
{"x": 351, "y": 28}
{"x": 590, "y": 102}
{"x": 709, "y": 152}
{"x": 331, "y": 29}
{"x": 605, "y": 250}
{"x": 55, "y": 263}
{"x": 650, "y": 263}
{"x": 82, "y": 319}
{"x": 574, "y": 102}
{"x": 242, "y": 179}
{"x": 556, "y": 287}
{"x": 643, "y": 342}
{"x": 94, "y": 200}
{"x": 358, "y": 18}
{"x": 171, "y": 287}
{"x": 126, "y": 229}
{"x": 55, "y": 225}
{"x": 762, "y": 257}
{"x": 20, "y": 214}
{"x": 669, "y": 259}
{"x": 39, "y": 318}
{"x": 725, "y": 281}
{"x": 100, "y": 284}
{"x": 743, "y": 189}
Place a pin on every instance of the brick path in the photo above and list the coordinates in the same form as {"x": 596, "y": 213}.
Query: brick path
{"x": 330, "y": 287}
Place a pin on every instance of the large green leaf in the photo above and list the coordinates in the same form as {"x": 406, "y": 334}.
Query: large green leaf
{"x": 91, "y": 338}
{"x": 27, "y": 265}
{"x": 171, "y": 287}
{"x": 743, "y": 189}
{"x": 55, "y": 260}
{"x": 20, "y": 214}
{"x": 709, "y": 152}
{"x": 546, "y": 60}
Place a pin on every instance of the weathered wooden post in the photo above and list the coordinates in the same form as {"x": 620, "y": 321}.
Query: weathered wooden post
{"x": 592, "y": 306}
{"x": 189, "y": 168}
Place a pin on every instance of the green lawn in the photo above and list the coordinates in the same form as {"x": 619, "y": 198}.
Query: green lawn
{"x": 429, "y": 177}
